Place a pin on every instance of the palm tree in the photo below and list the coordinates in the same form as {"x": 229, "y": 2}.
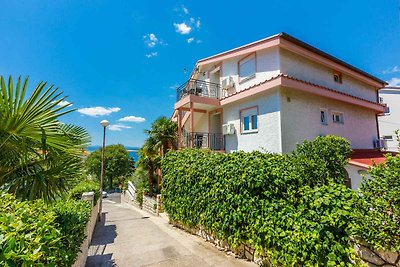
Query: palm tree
{"x": 149, "y": 160}
{"x": 39, "y": 155}
{"x": 163, "y": 131}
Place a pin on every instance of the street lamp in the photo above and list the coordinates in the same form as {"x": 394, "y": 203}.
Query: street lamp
{"x": 105, "y": 124}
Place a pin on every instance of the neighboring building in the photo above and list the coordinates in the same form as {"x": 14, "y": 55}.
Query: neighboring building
{"x": 390, "y": 122}
{"x": 273, "y": 94}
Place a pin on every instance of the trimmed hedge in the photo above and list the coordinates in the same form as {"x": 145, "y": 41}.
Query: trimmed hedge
{"x": 293, "y": 209}
{"x": 35, "y": 234}
{"x": 72, "y": 217}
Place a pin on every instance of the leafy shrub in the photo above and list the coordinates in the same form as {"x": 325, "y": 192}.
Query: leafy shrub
{"x": 323, "y": 159}
{"x": 71, "y": 217}
{"x": 28, "y": 234}
{"x": 281, "y": 205}
{"x": 85, "y": 186}
{"x": 377, "y": 215}
{"x": 35, "y": 234}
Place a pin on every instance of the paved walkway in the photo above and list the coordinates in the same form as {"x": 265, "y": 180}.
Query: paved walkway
{"x": 128, "y": 236}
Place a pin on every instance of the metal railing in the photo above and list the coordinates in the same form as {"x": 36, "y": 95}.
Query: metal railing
{"x": 200, "y": 88}
{"x": 213, "y": 141}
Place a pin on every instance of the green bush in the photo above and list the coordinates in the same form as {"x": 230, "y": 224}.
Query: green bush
{"x": 280, "y": 205}
{"x": 85, "y": 186}
{"x": 72, "y": 217}
{"x": 28, "y": 234}
{"x": 377, "y": 217}
{"x": 35, "y": 234}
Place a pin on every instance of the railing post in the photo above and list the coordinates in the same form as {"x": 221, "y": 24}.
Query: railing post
{"x": 179, "y": 127}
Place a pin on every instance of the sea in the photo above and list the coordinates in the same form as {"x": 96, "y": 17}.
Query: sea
{"x": 131, "y": 149}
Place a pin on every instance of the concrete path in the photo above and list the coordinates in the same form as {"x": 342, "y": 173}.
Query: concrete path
{"x": 128, "y": 236}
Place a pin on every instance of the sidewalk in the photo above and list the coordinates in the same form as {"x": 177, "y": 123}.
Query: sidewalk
{"x": 131, "y": 237}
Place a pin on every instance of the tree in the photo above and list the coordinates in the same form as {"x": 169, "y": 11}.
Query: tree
{"x": 40, "y": 157}
{"x": 117, "y": 163}
{"x": 149, "y": 159}
{"x": 163, "y": 132}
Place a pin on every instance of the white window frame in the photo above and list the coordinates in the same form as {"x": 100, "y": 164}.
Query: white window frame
{"x": 251, "y": 60}
{"x": 250, "y": 113}
{"x": 325, "y": 122}
{"x": 341, "y": 117}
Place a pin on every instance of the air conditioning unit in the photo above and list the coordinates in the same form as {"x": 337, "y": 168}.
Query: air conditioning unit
{"x": 228, "y": 83}
{"x": 228, "y": 128}
{"x": 380, "y": 144}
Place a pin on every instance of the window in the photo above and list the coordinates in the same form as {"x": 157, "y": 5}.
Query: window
{"x": 337, "y": 77}
{"x": 249, "y": 119}
{"x": 337, "y": 117}
{"x": 247, "y": 68}
{"x": 324, "y": 117}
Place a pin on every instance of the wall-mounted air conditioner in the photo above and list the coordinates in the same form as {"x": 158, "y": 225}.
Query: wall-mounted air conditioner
{"x": 228, "y": 128}
{"x": 228, "y": 83}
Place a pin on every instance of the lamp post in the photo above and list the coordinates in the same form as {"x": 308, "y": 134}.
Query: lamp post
{"x": 105, "y": 124}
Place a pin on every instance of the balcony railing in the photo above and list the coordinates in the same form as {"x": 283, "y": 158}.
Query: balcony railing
{"x": 200, "y": 88}
{"x": 213, "y": 141}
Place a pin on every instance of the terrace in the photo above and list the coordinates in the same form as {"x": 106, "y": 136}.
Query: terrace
{"x": 198, "y": 88}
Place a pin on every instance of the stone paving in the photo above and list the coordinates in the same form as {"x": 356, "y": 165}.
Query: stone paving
{"x": 128, "y": 236}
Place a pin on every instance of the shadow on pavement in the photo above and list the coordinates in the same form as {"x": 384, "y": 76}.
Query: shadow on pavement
{"x": 103, "y": 235}
{"x": 100, "y": 261}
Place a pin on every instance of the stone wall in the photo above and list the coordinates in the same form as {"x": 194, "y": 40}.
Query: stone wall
{"x": 243, "y": 251}
{"x": 371, "y": 258}
{"x": 375, "y": 258}
{"x": 82, "y": 255}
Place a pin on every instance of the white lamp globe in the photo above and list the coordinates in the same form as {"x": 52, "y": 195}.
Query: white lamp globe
{"x": 104, "y": 123}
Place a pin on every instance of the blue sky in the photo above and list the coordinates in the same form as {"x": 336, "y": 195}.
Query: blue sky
{"x": 122, "y": 60}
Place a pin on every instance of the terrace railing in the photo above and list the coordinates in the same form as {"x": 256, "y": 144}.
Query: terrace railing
{"x": 213, "y": 141}
{"x": 200, "y": 88}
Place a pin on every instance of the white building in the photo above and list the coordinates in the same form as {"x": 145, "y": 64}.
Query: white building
{"x": 273, "y": 94}
{"x": 390, "y": 122}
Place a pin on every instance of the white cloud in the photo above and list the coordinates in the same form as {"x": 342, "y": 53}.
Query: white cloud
{"x": 132, "y": 119}
{"x": 64, "y": 103}
{"x": 189, "y": 40}
{"x": 192, "y": 20}
{"x": 182, "y": 28}
{"x": 394, "y": 82}
{"x": 185, "y": 10}
{"x": 174, "y": 87}
{"x": 152, "y": 54}
{"x": 198, "y": 23}
{"x": 97, "y": 111}
{"x": 151, "y": 40}
{"x": 392, "y": 70}
{"x": 118, "y": 127}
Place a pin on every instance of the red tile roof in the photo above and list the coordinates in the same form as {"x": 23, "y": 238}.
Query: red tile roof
{"x": 302, "y": 81}
{"x": 366, "y": 158}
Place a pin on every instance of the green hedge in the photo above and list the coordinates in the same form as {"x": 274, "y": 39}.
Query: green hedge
{"x": 377, "y": 217}
{"x": 85, "y": 186}
{"x": 294, "y": 209}
{"x": 72, "y": 217}
{"x": 35, "y": 234}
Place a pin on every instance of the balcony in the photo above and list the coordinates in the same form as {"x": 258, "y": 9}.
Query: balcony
{"x": 212, "y": 141}
{"x": 198, "y": 88}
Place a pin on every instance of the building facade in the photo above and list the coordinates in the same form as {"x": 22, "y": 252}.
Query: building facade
{"x": 390, "y": 122}
{"x": 273, "y": 94}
